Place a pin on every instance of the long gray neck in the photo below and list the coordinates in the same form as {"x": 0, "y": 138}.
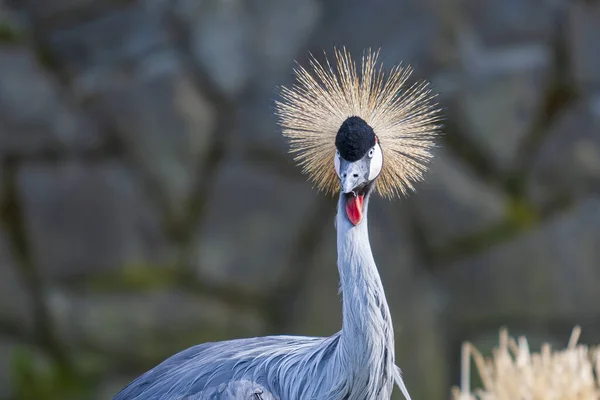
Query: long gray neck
{"x": 367, "y": 339}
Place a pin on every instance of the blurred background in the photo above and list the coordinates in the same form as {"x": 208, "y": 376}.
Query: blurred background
{"x": 147, "y": 202}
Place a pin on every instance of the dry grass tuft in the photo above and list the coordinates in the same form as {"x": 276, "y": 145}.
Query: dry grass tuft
{"x": 514, "y": 373}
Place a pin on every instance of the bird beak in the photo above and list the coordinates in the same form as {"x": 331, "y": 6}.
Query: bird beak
{"x": 353, "y": 181}
{"x": 353, "y": 175}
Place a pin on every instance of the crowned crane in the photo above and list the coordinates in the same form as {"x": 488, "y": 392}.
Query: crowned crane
{"x": 354, "y": 132}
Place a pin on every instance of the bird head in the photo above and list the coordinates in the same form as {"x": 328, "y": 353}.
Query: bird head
{"x": 376, "y": 128}
{"x": 357, "y": 163}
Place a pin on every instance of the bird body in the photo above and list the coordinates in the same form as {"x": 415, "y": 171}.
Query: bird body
{"x": 342, "y": 128}
{"x": 255, "y": 368}
{"x": 354, "y": 364}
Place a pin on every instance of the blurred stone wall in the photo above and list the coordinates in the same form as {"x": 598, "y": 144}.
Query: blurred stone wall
{"x": 147, "y": 202}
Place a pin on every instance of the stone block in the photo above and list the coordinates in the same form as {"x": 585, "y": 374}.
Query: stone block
{"x": 146, "y": 326}
{"x": 548, "y": 274}
{"x": 567, "y": 165}
{"x": 501, "y": 100}
{"x": 16, "y": 302}
{"x": 84, "y": 220}
{"x": 124, "y": 67}
{"x": 166, "y": 125}
{"x": 8, "y": 348}
{"x": 452, "y": 203}
{"x": 514, "y": 21}
{"x": 125, "y": 35}
{"x": 583, "y": 34}
{"x": 405, "y": 30}
{"x": 56, "y": 14}
{"x": 239, "y": 45}
{"x": 35, "y": 115}
{"x": 252, "y": 225}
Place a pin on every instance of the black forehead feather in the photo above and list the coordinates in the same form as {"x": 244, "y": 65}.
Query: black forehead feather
{"x": 354, "y": 139}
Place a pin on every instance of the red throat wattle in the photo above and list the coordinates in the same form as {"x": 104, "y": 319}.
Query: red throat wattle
{"x": 354, "y": 208}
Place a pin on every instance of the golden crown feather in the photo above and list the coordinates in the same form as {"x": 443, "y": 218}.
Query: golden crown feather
{"x": 403, "y": 116}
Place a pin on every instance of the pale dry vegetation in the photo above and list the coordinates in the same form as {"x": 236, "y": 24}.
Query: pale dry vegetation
{"x": 513, "y": 372}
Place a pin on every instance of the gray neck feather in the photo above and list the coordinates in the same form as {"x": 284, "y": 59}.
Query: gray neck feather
{"x": 366, "y": 347}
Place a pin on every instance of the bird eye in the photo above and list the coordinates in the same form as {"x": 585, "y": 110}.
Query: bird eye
{"x": 337, "y": 153}
{"x": 371, "y": 152}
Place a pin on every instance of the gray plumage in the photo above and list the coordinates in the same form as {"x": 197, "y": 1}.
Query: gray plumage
{"x": 356, "y": 363}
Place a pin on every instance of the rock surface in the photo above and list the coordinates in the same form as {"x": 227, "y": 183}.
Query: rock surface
{"x": 7, "y": 350}
{"x": 243, "y": 241}
{"x": 57, "y": 13}
{"x": 404, "y": 30}
{"x": 502, "y": 96}
{"x": 513, "y": 21}
{"x": 91, "y": 50}
{"x": 86, "y": 220}
{"x": 239, "y": 45}
{"x": 548, "y": 273}
{"x": 452, "y": 203}
{"x": 35, "y": 117}
{"x": 125, "y": 65}
{"x": 16, "y": 303}
{"x": 583, "y": 33}
{"x": 166, "y": 125}
{"x": 568, "y": 163}
{"x": 150, "y": 325}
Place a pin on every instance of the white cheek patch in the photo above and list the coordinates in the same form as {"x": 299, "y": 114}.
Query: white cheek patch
{"x": 376, "y": 162}
{"x": 336, "y": 163}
